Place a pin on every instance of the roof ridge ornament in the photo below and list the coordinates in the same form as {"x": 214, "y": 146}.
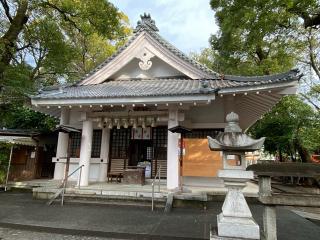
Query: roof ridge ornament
{"x": 146, "y": 23}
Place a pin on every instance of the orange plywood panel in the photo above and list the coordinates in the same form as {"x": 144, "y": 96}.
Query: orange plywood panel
{"x": 199, "y": 160}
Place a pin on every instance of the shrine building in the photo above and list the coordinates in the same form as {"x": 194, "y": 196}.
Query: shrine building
{"x": 125, "y": 106}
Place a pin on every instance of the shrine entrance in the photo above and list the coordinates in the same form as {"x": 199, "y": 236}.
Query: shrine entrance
{"x": 140, "y": 151}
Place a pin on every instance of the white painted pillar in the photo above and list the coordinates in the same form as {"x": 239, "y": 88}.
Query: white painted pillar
{"x": 62, "y": 147}
{"x": 85, "y": 151}
{"x": 104, "y": 154}
{"x": 173, "y": 167}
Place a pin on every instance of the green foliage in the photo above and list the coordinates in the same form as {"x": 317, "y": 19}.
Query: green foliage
{"x": 16, "y": 116}
{"x": 60, "y": 42}
{"x": 291, "y": 127}
{"x": 252, "y": 39}
{"x": 262, "y": 37}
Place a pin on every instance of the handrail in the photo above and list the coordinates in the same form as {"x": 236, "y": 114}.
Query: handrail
{"x": 158, "y": 173}
{"x": 75, "y": 170}
{"x": 66, "y": 181}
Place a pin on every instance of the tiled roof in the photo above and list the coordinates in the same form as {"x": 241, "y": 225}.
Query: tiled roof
{"x": 152, "y": 30}
{"x": 162, "y": 87}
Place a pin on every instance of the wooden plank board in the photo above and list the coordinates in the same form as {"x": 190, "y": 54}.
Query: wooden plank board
{"x": 199, "y": 160}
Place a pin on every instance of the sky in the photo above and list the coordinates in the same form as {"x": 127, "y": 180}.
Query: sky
{"x": 187, "y": 24}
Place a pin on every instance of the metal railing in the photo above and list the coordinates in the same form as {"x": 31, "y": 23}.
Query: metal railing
{"x": 66, "y": 181}
{"x": 63, "y": 186}
{"x": 158, "y": 174}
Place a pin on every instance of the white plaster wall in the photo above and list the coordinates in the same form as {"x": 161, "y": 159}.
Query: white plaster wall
{"x": 93, "y": 173}
{"x": 75, "y": 116}
{"x": 158, "y": 69}
{"x": 211, "y": 113}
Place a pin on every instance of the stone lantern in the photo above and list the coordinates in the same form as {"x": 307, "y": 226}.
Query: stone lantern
{"x": 236, "y": 220}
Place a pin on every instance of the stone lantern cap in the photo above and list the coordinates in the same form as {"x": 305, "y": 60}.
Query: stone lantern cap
{"x": 232, "y": 139}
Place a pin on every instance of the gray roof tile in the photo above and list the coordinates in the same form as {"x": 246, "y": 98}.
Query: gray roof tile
{"x": 160, "y": 87}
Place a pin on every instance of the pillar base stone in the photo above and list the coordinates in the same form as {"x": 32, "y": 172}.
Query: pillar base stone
{"x": 214, "y": 236}
{"x": 237, "y": 228}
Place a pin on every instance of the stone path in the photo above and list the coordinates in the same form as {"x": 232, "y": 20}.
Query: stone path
{"x": 19, "y": 211}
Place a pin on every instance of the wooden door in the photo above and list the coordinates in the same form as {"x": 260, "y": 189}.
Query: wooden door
{"x": 199, "y": 160}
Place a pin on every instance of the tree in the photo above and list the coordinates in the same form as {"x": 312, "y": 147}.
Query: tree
{"x": 45, "y": 42}
{"x": 291, "y": 128}
{"x": 252, "y": 39}
{"x": 264, "y": 37}
{"x": 56, "y": 40}
{"x": 269, "y": 36}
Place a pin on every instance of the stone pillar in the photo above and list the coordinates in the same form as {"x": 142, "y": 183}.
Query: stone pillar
{"x": 173, "y": 167}
{"x": 85, "y": 151}
{"x": 264, "y": 186}
{"x": 62, "y": 147}
{"x": 104, "y": 154}
{"x": 269, "y": 211}
{"x": 270, "y": 222}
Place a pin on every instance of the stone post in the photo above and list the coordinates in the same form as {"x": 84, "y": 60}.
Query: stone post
{"x": 269, "y": 211}
{"x": 173, "y": 167}
{"x": 85, "y": 151}
{"x": 104, "y": 154}
{"x": 62, "y": 146}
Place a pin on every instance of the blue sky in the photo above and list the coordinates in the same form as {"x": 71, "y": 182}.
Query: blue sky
{"x": 187, "y": 24}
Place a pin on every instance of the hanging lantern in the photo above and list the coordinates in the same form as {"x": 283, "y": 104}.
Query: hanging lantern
{"x": 153, "y": 122}
{"x": 134, "y": 123}
{"x": 110, "y": 125}
{"x": 125, "y": 123}
{"x": 117, "y": 122}
{"x": 143, "y": 123}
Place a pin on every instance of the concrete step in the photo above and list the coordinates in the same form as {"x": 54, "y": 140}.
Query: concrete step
{"x": 106, "y": 201}
{"x": 84, "y": 195}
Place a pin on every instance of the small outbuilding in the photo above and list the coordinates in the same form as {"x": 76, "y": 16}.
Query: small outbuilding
{"x": 32, "y": 153}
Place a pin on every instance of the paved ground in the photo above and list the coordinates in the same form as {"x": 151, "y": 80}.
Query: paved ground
{"x": 20, "y": 212}
{"x": 15, "y": 234}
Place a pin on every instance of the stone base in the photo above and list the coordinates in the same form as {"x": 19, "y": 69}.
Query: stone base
{"x": 237, "y": 227}
{"x": 214, "y": 236}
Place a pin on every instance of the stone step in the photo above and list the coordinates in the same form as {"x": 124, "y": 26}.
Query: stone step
{"x": 102, "y": 200}
{"x": 47, "y": 193}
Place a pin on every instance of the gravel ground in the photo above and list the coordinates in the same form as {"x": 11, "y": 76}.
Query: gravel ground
{"x": 14, "y": 234}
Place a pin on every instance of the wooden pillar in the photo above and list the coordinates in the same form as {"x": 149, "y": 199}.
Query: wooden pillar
{"x": 85, "y": 151}
{"x": 104, "y": 154}
{"x": 62, "y": 148}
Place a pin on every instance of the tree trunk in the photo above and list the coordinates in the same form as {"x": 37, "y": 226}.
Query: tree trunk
{"x": 280, "y": 156}
{"x": 304, "y": 154}
{"x": 9, "y": 39}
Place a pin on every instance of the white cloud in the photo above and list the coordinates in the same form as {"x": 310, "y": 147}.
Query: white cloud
{"x": 187, "y": 24}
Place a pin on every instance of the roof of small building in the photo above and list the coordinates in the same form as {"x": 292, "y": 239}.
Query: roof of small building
{"x": 18, "y": 132}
